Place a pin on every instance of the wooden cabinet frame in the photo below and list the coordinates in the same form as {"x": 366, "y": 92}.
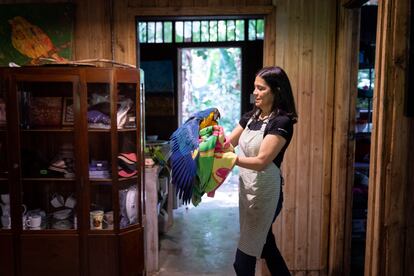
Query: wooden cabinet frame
{"x": 80, "y": 250}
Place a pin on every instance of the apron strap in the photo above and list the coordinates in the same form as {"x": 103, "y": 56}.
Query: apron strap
{"x": 265, "y": 121}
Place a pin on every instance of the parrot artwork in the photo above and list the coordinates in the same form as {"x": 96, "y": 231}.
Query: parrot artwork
{"x": 32, "y": 41}
{"x": 184, "y": 143}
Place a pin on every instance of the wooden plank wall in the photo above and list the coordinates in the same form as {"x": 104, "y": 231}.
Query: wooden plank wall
{"x": 305, "y": 47}
{"x": 343, "y": 144}
{"x": 390, "y": 205}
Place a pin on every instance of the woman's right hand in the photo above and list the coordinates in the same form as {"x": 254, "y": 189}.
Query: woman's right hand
{"x": 235, "y": 135}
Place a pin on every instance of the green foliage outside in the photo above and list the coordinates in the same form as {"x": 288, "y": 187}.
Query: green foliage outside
{"x": 211, "y": 77}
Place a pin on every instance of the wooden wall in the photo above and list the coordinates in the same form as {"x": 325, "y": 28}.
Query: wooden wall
{"x": 310, "y": 40}
{"x": 390, "y": 232}
{"x": 305, "y": 47}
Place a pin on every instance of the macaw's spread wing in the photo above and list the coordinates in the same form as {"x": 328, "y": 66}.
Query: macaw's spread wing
{"x": 184, "y": 151}
{"x": 184, "y": 144}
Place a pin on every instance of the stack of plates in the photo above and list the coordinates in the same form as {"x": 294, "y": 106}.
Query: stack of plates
{"x": 62, "y": 214}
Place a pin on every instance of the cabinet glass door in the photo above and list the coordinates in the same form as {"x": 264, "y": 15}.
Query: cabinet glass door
{"x": 5, "y": 222}
{"x": 128, "y": 163}
{"x": 47, "y": 154}
{"x": 98, "y": 118}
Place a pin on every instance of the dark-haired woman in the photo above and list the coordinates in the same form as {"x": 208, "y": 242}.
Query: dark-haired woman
{"x": 263, "y": 134}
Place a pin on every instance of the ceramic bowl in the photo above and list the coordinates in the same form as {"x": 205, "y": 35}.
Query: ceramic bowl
{"x": 62, "y": 214}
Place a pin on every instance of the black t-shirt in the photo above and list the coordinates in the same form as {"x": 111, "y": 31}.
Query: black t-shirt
{"x": 278, "y": 125}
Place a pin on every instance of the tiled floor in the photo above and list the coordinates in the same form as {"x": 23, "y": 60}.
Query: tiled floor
{"x": 203, "y": 239}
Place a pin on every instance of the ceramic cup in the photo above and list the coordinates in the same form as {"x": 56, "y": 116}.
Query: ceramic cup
{"x": 57, "y": 200}
{"x": 70, "y": 202}
{"x": 75, "y": 221}
{"x": 5, "y": 198}
{"x": 24, "y": 218}
{"x": 6, "y": 222}
{"x": 24, "y": 208}
{"x": 96, "y": 219}
{"x": 109, "y": 219}
{"x": 5, "y": 210}
{"x": 34, "y": 221}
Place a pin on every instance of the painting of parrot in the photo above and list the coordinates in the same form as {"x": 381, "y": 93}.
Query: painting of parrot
{"x": 184, "y": 144}
{"x": 32, "y": 41}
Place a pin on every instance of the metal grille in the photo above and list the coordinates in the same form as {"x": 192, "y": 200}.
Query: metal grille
{"x": 210, "y": 30}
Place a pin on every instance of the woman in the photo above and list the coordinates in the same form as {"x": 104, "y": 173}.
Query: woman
{"x": 263, "y": 135}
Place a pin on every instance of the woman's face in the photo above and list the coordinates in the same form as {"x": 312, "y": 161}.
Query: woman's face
{"x": 263, "y": 94}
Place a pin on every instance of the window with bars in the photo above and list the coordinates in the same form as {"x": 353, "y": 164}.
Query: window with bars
{"x": 183, "y": 31}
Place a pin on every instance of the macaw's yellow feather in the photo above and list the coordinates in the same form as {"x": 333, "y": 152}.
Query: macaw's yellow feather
{"x": 208, "y": 121}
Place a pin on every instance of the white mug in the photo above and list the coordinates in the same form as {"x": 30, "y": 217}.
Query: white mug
{"x": 96, "y": 219}
{"x": 34, "y": 221}
{"x": 5, "y": 209}
{"x": 70, "y": 202}
{"x": 5, "y": 198}
{"x": 109, "y": 219}
{"x": 24, "y": 217}
{"x": 6, "y": 222}
{"x": 75, "y": 222}
{"x": 57, "y": 200}
{"x": 24, "y": 209}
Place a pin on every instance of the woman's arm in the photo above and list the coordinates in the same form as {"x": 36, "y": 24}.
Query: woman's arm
{"x": 269, "y": 149}
{"x": 235, "y": 135}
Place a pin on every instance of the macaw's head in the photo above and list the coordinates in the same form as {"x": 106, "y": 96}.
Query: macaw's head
{"x": 210, "y": 118}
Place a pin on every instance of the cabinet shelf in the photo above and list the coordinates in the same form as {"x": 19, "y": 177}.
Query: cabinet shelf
{"x": 127, "y": 130}
{"x": 100, "y": 181}
{"x": 108, "y": 130}
{"x": 47, "y": 130}
{"x": 125, "y": 179}
{"x": 129, "y": 228}
{"x": 49, "y": 231}
{"x": 78, "y": 221}
{"x": 99, "y": 130}
{"x": 48, "y": 179}
{"x": 6, "y": 231}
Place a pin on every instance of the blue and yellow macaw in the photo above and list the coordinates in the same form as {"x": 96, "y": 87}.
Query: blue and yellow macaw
{"x": 184, "y": 144}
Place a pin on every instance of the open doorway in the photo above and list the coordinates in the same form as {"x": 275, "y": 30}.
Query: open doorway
{"x": 211, "y": 77}
{"x": 363, "y": 127}
{"x": 159, "y": 43}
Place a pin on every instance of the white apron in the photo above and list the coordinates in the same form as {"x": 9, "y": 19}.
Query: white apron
{"x": 258, "y": 196}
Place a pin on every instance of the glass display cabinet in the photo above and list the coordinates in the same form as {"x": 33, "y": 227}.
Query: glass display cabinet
{"x": 75, "y": 158}
{"x": 6, "y": 231}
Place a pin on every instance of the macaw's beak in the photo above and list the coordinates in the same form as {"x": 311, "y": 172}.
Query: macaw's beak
{"x": 216, "y": 115}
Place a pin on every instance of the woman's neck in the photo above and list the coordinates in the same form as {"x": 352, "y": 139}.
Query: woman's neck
{"x": 264, "y": 114}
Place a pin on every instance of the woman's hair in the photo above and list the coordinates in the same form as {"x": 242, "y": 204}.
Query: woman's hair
{"x": 279, "y": 84}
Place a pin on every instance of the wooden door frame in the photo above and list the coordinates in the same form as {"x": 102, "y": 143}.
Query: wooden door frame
{"x": 345, "y": 74}
{"x": 124, "y": 29}
{"x": 389, "y": 247}
{"x": 389, "y": 229}
{"x": 343, "y": 141}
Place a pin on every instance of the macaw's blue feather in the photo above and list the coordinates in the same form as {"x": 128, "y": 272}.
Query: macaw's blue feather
{"x": 183, "y": 158}
{"x": 202, "y": 114}
{"x": 184, "y": 169}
